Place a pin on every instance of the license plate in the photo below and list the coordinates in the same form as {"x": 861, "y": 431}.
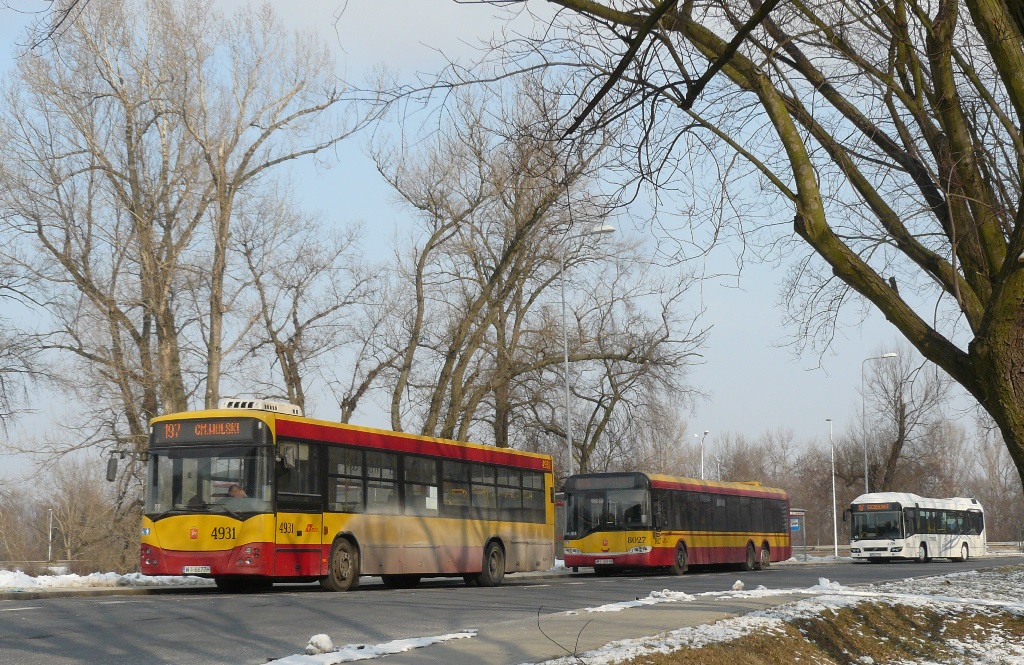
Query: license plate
{"x": 603, "y": 562}
{"x": 875, "y": 554}
{"x": 194, "y": 570}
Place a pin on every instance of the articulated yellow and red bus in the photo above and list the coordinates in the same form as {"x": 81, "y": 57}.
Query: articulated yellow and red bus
{"x": 253, "y": 492}
{"x": 616, "y": 521}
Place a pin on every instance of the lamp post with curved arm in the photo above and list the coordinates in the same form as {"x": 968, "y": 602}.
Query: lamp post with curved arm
{"x": 702, "y": 455}
{"x": 863, "y": 411}
{"x": 835, "y": 524}
{"x": 600, "y": 229}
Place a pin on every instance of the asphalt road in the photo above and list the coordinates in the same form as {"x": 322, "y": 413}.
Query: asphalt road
{"x": 205, "y": 627}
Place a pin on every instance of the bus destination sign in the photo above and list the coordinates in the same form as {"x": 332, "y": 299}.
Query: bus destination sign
{"x": 201, "y": 431}
{"x": 865, "y": 507}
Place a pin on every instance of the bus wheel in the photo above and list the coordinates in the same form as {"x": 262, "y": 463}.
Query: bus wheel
{"x": 751, "y": 561}
{"x": 400, "y": 581}
{"x": 964, "y": 553}
{"x": 342, "y": 567}
{"x": 922, "y": 554}
{"x": 494, "y": 565}
{"x": 679, "y": 563}
{"x": 764, "y": 560}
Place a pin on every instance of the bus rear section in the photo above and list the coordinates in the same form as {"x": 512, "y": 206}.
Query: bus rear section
{"x": 888, "y": 526}
{"x": 618, "y": 521}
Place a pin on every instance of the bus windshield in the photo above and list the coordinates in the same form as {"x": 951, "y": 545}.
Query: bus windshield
{"x": 881, "y": 525}
{"x": 606, "y": 510}
{"x": 230, "y": 479}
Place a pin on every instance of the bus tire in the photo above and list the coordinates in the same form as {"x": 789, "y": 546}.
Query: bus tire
{"x": 750, "y": 563}
{"x": 965, "y": 553}
{"x": 764, "y": 557}
{"x": 922, "y": 554}
{"x": 681, "y": 560}
{"x": 342, "y": 567}
{"x": 400, "y": 581}
{"x": 493, "y": 570}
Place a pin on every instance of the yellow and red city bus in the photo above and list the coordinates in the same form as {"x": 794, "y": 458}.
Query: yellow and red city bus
{"x": 326, "y": 501}
{"x": 616, "y": 521}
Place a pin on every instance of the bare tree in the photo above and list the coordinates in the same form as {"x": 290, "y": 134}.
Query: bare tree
{"x": 998, "y": 488}
{"x": 302, "y": 303}
{"x": 487, "y": 206}
{"x": 261, "y": 97}
{"x": 503, "y": 208}
{"x": 890, "y": 134}
{"x": 129, "y": 142}
{"x": 21, "y": 530}
{"x": 905, "y": 400}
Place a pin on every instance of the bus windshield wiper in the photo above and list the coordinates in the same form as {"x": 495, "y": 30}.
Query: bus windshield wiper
{"x": 225, "y": 509}
{"x": 177, "y": 510}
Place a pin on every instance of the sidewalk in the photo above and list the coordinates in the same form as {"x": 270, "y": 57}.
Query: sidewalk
{"x": 550, "y": 636}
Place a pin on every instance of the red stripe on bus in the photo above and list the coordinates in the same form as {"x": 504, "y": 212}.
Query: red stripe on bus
{"x": 764, "y": 493}
{"x": 408, "y": 444}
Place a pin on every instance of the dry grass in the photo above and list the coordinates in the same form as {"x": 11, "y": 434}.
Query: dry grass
{"x": 881, "y": 632}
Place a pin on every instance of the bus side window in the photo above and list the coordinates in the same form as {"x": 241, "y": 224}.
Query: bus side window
{"x": 381, "y": 485}
{"x": 976, "y": 521}
{"x": 910, "y": 521}
{"x": 660, "y": 501}
{"x": 298, "y": 475}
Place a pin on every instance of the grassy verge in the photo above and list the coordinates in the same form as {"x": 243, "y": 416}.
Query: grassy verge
{"x": 864, "y": 634}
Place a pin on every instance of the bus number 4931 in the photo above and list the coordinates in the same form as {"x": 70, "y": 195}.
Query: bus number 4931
{"x": 223, "y": 533}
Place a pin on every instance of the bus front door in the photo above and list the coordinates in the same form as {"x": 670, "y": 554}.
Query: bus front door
{"x": 298, "y": 552}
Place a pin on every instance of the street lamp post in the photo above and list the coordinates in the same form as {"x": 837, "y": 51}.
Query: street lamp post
{"x": 49, "y": 539}
{"x": 599, "y": 229}
{"x": 835, "y": 525}
{"x": 702, "y": 456}
{"x": 863, "y": 411}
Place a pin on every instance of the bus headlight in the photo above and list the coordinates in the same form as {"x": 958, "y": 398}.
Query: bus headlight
{"x": 639, "y": 549}
{"x": 895, "y": 549}
{"x": 573, "y": 550}
{"x": 854, "y": 550}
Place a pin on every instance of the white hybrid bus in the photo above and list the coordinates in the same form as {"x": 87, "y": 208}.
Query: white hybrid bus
{"x": 898, "y": 525}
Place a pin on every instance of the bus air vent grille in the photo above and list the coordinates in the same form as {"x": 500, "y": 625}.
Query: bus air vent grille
{"x": 260, "y": 405}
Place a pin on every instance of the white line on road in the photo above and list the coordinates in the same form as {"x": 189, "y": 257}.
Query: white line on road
{"x": 20, "y": 609}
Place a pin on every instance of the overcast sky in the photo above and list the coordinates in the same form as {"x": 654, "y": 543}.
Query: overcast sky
{"x": 755, "y": 384}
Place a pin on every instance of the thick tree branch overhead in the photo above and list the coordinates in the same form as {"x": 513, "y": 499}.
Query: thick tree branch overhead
{"x": 866, "y": 147}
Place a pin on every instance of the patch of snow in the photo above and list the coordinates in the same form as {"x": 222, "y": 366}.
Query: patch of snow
{"x": 15, "y": 580}
{"x": 987, "y": 592}
{"x": 353, "y": 652}
{"x": 654, "y": 598}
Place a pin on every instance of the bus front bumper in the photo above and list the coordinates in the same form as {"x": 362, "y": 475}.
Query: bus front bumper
{"x": 618, "y": 559}
{"x": 251, "y": 559}
{"x": 868, "y": 552}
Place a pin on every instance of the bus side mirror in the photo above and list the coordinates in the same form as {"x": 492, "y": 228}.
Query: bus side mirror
{"x": 111, "y": 469}
{"x": 845, "y": 514}
{"x": 288, "y": 455}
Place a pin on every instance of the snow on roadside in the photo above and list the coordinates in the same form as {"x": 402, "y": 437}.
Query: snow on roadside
{"x": 353, "y": 652}
{"x": 985, "y": 591}
{"x": 15, "y": 580}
